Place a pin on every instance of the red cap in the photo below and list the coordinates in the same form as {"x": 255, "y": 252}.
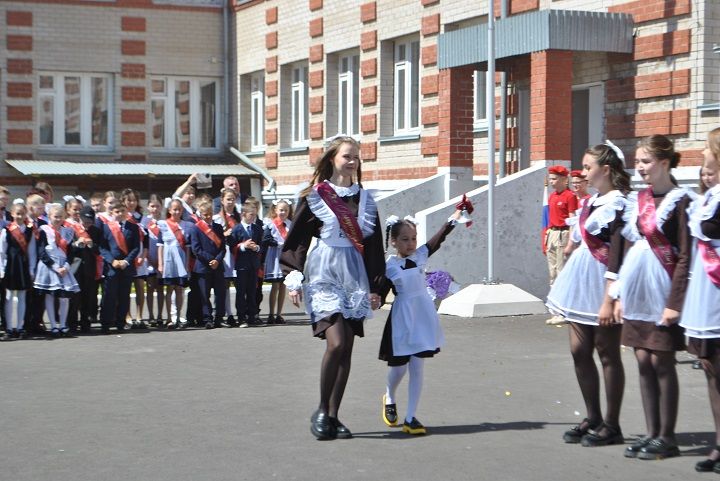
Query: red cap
{"x": 558, "y": 170}
{"x": 577, "y": 173}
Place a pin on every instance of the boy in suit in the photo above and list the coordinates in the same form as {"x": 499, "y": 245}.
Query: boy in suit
{"x": 207, "y": 243}
{"x": 119, "y": 247}
{"x": 248, "y": 236}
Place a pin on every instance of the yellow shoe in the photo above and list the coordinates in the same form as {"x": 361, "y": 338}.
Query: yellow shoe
{"x": 413, "y": 427}
{"x": 389, "y": 413}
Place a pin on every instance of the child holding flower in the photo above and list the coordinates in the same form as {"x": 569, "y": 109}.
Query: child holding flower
{"x": 412, "y": 330}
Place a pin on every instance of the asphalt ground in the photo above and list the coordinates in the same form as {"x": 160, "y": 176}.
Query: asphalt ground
{"x": 234, "y": 404}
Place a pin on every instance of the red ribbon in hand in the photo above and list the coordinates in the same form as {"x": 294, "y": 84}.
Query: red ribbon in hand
{"x": 467, "y": 206}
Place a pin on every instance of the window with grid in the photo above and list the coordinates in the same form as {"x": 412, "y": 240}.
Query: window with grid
{"x": 349, "y": 95}
{"x": 407, "y": 87}
{"x": 299, "y": 109}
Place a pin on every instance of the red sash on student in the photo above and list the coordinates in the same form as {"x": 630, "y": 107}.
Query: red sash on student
{"x": 711, "y": 261}
{"x": 659, "y": 244}
{"x": 141, "y": 234}
{"x": 19, "y": 237}
{"x": 599, "y": 249}
{"x": 348, "y": 222}
{"x": 117, "y": 234}
{"x": 281, "y": 227}
{"x": 230, "y": 223}
{"x": 78, "y": 228}
{"x": 153, "y": 227}
{"x": 207, "y": 230}
{"x": 60, "y": 241}
{"x": 103, "y": 218}
{"x": 175, "y": 229}
{"x": 98, "y": 267}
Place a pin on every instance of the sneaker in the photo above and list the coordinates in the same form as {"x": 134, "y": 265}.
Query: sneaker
{"x": 413, "y": 427}
{"x": 231, "y": 322}
{"x": 7, "y": 336}
{"x": 389, "y": 412}
{"x": 244, "y": 324}
{"x": 556, "y": 321}
{"x": 658, "y": 449}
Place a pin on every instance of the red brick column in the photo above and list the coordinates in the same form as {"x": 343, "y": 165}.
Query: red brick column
{"x": 455, "y": 117}
{"x": 551, "y": 105}
{"x": 17, "y": 117}
{"x": 135, "y": 99}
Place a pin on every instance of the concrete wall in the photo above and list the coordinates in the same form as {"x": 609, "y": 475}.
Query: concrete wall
{"x": 518, "y": 213}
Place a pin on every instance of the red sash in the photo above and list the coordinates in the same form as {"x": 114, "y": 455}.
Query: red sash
{"x": 103, "y": 218}
{"x": 153, "y": 227}
{"x": 175, "y": 229}
{"x": 141, "y": 234}
{"x": 207, "y": 230}
{"x": 281, "y": 227}
{"x": 711, "y": 261}
{"x": 118, "y": 236}
{"x": 230, "y": 222}
{"x": 19, "y": 237}
{"x": 659, "y": 244}
{"x": 599, "y": 249}
{"x": 60, "y": 241}
{"x": 78, "y": 228}
{"x": 348, "y": 222}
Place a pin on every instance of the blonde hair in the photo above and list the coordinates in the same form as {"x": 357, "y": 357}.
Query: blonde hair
{"x": 713, "y": 142}
{"x": 57, "y": 208}
{"x": 34, "y": 199}
{"x": 204, "y": 207}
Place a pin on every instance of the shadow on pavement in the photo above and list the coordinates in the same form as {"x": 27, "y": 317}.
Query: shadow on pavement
{"x": 458, "y": 429}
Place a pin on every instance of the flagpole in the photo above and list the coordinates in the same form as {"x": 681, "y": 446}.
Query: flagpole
{"x": 490, "y": 110}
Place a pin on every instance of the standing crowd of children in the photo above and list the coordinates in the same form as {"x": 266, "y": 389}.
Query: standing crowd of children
{"x": 55, "y": 258}
{"x": 643, "y": 272}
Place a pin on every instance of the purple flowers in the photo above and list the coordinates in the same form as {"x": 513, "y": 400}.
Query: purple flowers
{"x": 438, "y": 283}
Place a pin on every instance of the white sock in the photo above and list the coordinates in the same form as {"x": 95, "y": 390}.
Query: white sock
{"x": 20, "y": 309}
{"x": 414, "y": 386}
{"x": 50, "y": 309}
{"x": 64, "y": 307}
{"x": 8, "y": 311}
{"x": 395, "y": 375}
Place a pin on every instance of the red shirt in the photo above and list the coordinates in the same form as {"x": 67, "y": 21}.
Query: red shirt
{"x": 561, "y": 206}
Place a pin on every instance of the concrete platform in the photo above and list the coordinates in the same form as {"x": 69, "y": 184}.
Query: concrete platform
{"x": 491, "y": 300}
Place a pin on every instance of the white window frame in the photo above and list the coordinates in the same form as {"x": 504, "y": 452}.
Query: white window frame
{"x": 58, "y": 94}
{"x": 195, "y": 120}
{"x": 348, "y": 95}
{"x": 480, "y": 121}
{"x": 299, "y": 116}
{"x": 257, "y": 113}
{"x": 404, "y": 65}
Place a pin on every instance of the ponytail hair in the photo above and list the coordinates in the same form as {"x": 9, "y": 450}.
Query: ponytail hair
{"x": 662, "y": 148}
{"x": 606, "y": 155}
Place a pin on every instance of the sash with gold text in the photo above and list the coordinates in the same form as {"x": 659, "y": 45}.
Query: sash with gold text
{"x": 597, "y": 247}
{"x": 348, "y": 222}
{"x": 659, "y": 244}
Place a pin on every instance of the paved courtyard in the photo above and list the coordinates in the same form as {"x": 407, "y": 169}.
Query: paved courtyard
{"x": 234, "y": 404}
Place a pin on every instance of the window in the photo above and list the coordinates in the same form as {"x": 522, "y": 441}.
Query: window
{"x": 299, "y": 110}
{"x": 75, "y": 110}
{"x": 480, "y": 100}
{"x": 349, "y": 95}
{"x": 185, "y": 113}
{"x": 257, "y": 113}
{"x": 407, "y": 87}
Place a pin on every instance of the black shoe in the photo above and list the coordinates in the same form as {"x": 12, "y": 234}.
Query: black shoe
{"x": 104, "y": 330}
{"x": 413, "y": 427}
{"x": 341, "y": 431}
{"x": 658, "y": 449}
{"x": 594, "y": 437}
{"x": 270, "y": 319}
{"x": 231, "y": 322}
{"x": 21, "y": 334}
{"x": 209, "y": 325}
{"x": 320, "y": 426}
{"x": 7, "y": 336}
{"x": 633, "y": 450}
{"x": 707, "y": 465}
{"x": 389, "y": 412}
{"x": 55, "y": 332}
{"x": 279, "y": 319}
{"x": 574, "y": 435}
{"x": 218, "y": 323}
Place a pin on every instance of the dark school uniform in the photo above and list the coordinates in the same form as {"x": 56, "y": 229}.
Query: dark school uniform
{"x": 247, "y": 263}
{"x": 35, "y": 299}
{"x": 117, "y": 283}
{"x": 203, "y": 277}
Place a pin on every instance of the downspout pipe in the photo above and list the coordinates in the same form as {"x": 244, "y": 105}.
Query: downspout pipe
{"x": 226, "y": 72}
{"x": 503, "y": 107}
{"x": 253, "y": 166}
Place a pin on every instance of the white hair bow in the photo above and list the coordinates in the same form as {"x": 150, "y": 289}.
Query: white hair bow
{"x": 68, "y": 198}
{"x": 616, "y": 149}
{"x": 19, "y": 201}
{"x": 393, "y": 219}
{"x": 277, "y": 201}
{"x": 411, "y": 219}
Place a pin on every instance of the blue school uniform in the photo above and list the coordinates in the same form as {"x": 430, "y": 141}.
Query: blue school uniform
{"x": 204, "y": 278}
{"x": 247, "y": 262}
{"x": 116, "y": 295}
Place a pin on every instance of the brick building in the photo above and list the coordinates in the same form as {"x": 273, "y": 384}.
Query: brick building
{"x": 96, "y": 89}
{"x": 92, "y": 89}
{"x": 407, "y": 78}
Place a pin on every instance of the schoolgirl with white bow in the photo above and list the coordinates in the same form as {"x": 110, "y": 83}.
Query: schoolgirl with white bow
{"x": 274, "y": 235}
{"x": 412, "y": 330}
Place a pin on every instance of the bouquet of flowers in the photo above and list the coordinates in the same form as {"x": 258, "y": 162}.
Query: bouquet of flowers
{"x": 440, "y": 285}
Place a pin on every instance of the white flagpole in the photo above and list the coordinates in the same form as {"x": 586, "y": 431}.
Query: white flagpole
{"x": 490, "y": 109}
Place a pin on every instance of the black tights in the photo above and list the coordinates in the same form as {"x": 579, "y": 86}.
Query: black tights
{"x": 584, "y": 340}
{"x": 659, "y": 390}
{"x": 335, "y": 366}
{"x": 711, "y": 365}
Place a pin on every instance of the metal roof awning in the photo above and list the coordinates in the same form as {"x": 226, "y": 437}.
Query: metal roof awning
{"x": 574, "y": 30}
{"x": 61, "y": 167}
